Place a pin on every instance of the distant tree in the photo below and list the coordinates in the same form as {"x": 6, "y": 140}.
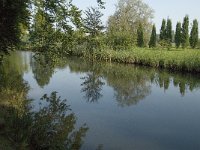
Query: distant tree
{"x": 127, "y": 17}
{"x": 194, "y": 35}
{"x": 166, "y": 34}
{"x": 169, "y": 30}
{"x": 178, "y": 35}
{"x": 152, "y": 42}
{"x": 140, "y": 36}
{"x": 185, "y": 32}
{"x": 163, "y": 30}
{"x": 93, "y": 22}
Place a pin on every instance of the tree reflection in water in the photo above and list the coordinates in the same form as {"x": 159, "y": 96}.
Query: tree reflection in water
{"x": 130, "y": 84}
{"x": 53, "y": 126}
{"x": 43, "y": 69}
{"x": 92, "y": 87}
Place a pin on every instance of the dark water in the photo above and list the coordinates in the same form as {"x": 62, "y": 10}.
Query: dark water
{"x": 125, "y": 107}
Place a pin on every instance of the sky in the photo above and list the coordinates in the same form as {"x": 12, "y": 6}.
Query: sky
{"x": 174, "y": 9}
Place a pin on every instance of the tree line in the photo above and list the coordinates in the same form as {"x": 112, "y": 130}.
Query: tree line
{"x": 167, "y": 37}
{"x": 60, "y": 27}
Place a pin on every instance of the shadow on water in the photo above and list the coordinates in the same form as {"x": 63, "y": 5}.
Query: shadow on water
{"x": 53, "y": 126}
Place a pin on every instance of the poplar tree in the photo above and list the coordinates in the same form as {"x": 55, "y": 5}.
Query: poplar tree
{"x": 185, "y": 32}
{"x": 169, "y": 31}
{"x": 163, "y": 30}
{"x": 194, "y": 35}
{"x": 140, "y": 36}
{"x": 152, "y": 42}
{"x": 178, "y": 35}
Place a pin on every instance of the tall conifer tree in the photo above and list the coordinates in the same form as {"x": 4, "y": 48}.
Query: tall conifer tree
{"x": 169, "y": 30}
{"x": 185, "y": 32}
{"x": 178, "y": 35}
{"x": 194, "y": 35}
{"x": 140, "y": 36}
{"x": 152, "y": 42}
{"x": 163, "y": 30}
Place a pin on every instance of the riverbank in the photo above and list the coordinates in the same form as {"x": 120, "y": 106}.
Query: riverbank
{"x": 187, "y": 60}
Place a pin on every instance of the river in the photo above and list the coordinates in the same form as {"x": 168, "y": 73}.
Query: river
{"x": 125, "y": 107}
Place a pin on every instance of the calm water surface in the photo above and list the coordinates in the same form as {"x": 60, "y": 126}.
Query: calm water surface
{"x": 125, "y": 107}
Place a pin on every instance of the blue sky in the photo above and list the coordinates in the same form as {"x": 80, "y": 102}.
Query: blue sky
{"x": 174, "y": 9}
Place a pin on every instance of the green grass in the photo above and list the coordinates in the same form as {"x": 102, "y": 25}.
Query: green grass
{"x": 187, "y": 60}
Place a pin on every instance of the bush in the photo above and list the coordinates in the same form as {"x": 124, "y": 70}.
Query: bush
{"x": 119, "y": 41}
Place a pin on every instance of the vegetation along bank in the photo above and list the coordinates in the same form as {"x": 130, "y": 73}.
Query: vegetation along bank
{"x": 60, "y": 28}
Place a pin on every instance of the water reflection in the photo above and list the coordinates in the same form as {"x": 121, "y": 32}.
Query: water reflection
{"x": 53, "y": 126}
{"x": 130, "y": 83}
{"x": 42, "y": 68}
{"x": 183, "y": 81}
{"x": 92, "y": 87}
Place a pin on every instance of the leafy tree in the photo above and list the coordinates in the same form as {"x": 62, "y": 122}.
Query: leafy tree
{"x": 194, "y": 35}
{"x": 54, "y": 22}
{"x": 127, "y": 17}
{"x": 92, "y": 21}
{"x": 178, "y": 35}
{"x": 42, "y": 31}
{"x": 169, "y": 30}
{"x": 12, "y": 13}
{"x": 185, "y": 32}
{"x": 140, "y": 36}
{"x": 152, "y": 42}
{"x": 93, "y": 26}
{"x": 163, "y": 30}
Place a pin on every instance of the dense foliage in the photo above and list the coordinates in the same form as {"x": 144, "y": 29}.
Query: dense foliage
{"x": 59, "y": 28}
{"x": 185, "y": 32}
{"x": 140, "y": 36}
{"x": 178, "y": 35}
{"x": 194, "y": 35}
{"x": 152, "y": 42}
{"x": 127, "y": 17}
{"x": 14, "y": 16}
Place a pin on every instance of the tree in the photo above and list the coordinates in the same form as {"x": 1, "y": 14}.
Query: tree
{"x": 194, "y": 35}
{"x": 152, "y": 42}
{"x": 53, "y": 24}
{"x": 140, "y": 36}
{"x": 41, "y": 34}
{"x": 169, "y": 30}
{"x": 127, "y": 17}
{"x": 185, "y": 32}
{"x": 163, "y": 30}
{"x": 178, "y": 35}
{"x": 93, "y": 26}
{"x": 92, "y": 21}
{"x": 12, "y": 13}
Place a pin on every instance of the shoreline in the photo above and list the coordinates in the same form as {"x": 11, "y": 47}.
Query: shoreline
{"x": 187, "y": 60}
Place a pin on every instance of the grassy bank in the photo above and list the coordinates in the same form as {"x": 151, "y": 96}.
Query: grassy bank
{"x": 187, "y": 60}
